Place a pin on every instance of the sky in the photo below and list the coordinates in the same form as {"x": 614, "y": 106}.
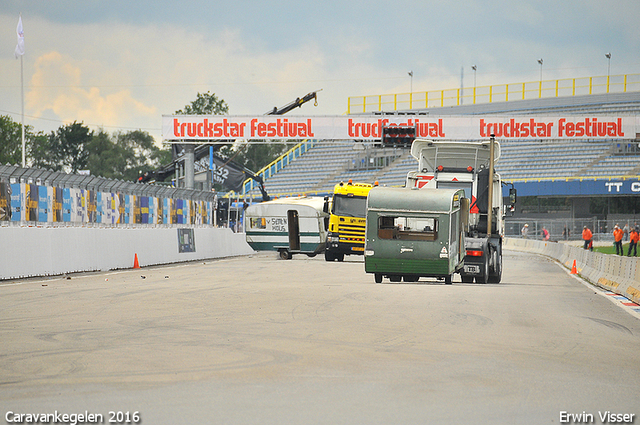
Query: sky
{"x": 120, "y": 65}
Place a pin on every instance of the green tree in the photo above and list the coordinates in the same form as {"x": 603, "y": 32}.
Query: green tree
{"x": 106, "y": 159}
{"x": 62, "y": 150}
{"x": 140, "y": 153}
{"x": 125, "y": 155}
{"x": 39, "y": 152}
{"x": 70, "y": 145}
{"x": 205, "y": 104}
{"x": 10, "y": 141}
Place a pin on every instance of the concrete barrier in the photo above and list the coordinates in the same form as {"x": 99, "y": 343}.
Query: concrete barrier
{"x": 49, "y": 251}
{"x": 615, "y": 273}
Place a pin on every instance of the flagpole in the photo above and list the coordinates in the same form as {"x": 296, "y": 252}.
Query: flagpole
{"x": 24, "y": 158}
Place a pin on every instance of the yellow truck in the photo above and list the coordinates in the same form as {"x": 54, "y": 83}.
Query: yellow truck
{"x": 347, "y": 222}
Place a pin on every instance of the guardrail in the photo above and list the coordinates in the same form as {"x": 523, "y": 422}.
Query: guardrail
{"x": 33, "y": 196}
{"x": 494, "y": 93}
{"x": 612, "y": 272}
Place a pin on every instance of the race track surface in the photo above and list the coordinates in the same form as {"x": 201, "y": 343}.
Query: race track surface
{"x": 256, "y": 340}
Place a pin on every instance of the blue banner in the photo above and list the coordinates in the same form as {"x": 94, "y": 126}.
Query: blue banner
{"x": 43, "y": 204}
{"x": 576, "y": 187}
{"x": 16, "y": 202}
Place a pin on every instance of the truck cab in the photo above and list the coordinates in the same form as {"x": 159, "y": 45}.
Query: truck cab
{"x": 466, "y": 165}
{"x": 346, "y": 226}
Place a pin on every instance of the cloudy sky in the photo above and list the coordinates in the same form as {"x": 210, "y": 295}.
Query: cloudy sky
{"x": 121, "y": 65}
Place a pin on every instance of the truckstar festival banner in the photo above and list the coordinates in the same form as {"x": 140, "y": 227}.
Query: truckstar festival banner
{"x": 220, "y": 127}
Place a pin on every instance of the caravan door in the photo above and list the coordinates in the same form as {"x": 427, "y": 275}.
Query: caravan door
{"x": 294, "y": 230}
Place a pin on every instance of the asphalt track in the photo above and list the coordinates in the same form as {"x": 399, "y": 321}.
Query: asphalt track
{"x": 256, "y": 340}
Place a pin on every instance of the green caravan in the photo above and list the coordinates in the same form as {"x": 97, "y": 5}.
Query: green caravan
{"x": 414, "y": 233}
{"x": 296, "y": 225}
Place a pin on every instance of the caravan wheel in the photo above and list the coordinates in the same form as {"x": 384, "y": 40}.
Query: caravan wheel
{"x": 285, "y": 254}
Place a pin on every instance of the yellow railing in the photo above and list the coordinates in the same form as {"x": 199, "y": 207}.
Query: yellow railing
{"x": 495, "y": 93}
{"x": 279, "y": 163}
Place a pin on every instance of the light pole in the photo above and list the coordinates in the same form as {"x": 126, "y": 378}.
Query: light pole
{"x": 540, "y": 61}
{"x": 540, "y": 87}
{"x": 411, "y": 90}
{"x": 608, "y": 56}
{"x": 475, "y": 68}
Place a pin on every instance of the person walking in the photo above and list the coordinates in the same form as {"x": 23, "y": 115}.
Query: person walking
{"x": 625, "y": 229}
{"x": 525, "y": 230}
{"x": 544, "y": 234}
{"x": 633, "y": 242}
{"x": 618, "y": 233}
{"x": 588, "y": 238}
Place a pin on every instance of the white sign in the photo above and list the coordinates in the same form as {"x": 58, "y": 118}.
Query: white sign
{"x": 355, "y": 127}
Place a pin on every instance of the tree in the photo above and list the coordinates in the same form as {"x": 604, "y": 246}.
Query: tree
{"x": 63, "y": 150}
{"x": 71, "y": 142}
{"x": 106, "y": 159}
{"x": 205, "y": 104}
{"x": 10, "y": 141}
{"x": 125, "y": 155}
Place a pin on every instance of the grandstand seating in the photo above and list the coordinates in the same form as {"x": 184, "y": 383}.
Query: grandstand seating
{"x": 329, "y": 162}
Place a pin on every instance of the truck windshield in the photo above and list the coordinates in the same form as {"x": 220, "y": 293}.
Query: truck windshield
{"x": 350, "y": 206}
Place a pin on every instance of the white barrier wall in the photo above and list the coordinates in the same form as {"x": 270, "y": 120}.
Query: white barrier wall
{"x": 45, "y": 251}
{"x": 615, "y": 273}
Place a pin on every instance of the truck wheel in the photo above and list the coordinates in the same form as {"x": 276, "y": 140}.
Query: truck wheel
{"x": 410, "y": 278}
{"x": 466, "y": 279}
{"x": 447, "y": 280}
{"x": 340, "y": 257}
{"x": 395, "y": 278}
{"x": 378, "y": 277}
{"x": 484, "y": 277}
{"x": 311, "y": 254}
{"x": 285, "y": 254}
{"x": 496, "y": 276}
{"x": 328, "y": 256}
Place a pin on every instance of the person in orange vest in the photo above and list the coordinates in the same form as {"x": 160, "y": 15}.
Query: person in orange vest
{"x": 618, "y": 233}
{"x": 633, "y": 242}
{"x": 587, "y": 236}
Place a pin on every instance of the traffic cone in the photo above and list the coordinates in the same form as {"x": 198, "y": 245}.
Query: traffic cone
{"x": 136, "y": 264}
{"x": 573, "y": 269}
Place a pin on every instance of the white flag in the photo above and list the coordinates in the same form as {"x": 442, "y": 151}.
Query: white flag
{"x": 20, "y": 47}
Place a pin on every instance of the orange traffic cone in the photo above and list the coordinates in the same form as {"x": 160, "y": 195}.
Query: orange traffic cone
{"x": 573, "y": 269}
{"x": 136, "y": 264}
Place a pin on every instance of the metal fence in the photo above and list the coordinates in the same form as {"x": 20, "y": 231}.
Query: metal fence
{"x": 495, "y": 93}
{"x": 35, "y": 196}
{"x": 569, "y": 229}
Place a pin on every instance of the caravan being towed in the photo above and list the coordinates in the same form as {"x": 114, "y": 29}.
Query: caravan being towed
{"x": 413, "y": 233}
{"x": 294, "y": 225}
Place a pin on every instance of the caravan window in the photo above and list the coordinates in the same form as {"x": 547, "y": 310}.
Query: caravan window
{"x": 407, "y": 228}
{"x": 258, "y": 223}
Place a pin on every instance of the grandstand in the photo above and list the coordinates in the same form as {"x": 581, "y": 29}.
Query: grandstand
{"x": 329, "y": 162}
